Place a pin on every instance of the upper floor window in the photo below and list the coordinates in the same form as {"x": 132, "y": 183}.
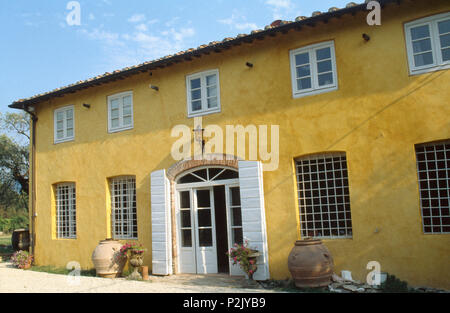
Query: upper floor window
{"x": 203, "y": 93}
{"x": 66, "y": 222}
{"x": 313, "y": 69}
{"x": 64, "y": 124}
{"x": 120, "y": 112}
{"x": 433, "y": 167}
{"x": 428, "y": 43}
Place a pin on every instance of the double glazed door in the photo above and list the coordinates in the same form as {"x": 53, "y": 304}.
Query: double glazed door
{"x": 198, "y": 252}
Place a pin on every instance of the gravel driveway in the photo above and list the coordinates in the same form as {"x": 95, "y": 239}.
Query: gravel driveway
{"x": 13, "y": 280}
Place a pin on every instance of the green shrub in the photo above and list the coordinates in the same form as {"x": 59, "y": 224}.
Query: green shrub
{"x": 393, "y": 284}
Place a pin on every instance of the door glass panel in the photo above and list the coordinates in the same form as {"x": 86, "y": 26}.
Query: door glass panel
{"x": 235, "y": 196}
{"x": 186, "y": 238}
{"x": 185, "y": 218}
{"x": 203, "y": 198}
{"x": 238, "y": 236}
{"x": 237, "y": 216}
{"x": 185, "y": 199}
{"x": 205, "y": 237}
{"x": 204, "y": 218}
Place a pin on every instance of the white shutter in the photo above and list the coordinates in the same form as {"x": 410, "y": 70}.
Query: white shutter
{"x": 161, "y": 224}
{"x": 253, "y": 213}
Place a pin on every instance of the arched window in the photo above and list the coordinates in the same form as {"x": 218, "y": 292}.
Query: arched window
{"x": 208, "y": 175}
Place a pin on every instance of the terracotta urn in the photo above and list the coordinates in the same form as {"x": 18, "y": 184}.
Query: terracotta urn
{"x": 106, "y": 259}
{"x": 311, "y": 264}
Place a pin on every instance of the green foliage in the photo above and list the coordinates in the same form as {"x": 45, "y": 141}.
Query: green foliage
{"x": 242, "y": 255}
{"x": 393, "y": 284}
{"x": 8, "y": 225}
{"x": 62, "y": 270}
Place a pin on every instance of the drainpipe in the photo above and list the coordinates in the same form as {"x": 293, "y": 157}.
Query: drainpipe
{"x": 32, "y": 173}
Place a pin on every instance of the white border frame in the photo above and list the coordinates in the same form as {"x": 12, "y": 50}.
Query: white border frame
{"x": 315, "y": 89}
{"x": 204, "y": 111}
{"x": 438, "y": 64}
{"x": 120, "y": 128}
{"x": 65, "y": 139}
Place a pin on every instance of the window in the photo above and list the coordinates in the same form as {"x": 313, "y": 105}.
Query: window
{"x": 120, "y": 112}
{"x": 64, "y": 124}
{"x": 203, "y": 93}
{"x": 123, "y": 204}
{"x": 66, "y": 226}
{"x": 433, "y": 167}
{"x": 313, "y": 69}
{"x": 428, "y": 43}
{"x": 323, "y": 195}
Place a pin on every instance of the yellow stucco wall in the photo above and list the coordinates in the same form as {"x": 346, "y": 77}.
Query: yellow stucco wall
{"x": 376, "y": 116}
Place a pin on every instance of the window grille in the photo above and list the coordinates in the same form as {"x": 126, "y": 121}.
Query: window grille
{"x": 323, "y": 194}
{"x": 66, "y": 227}
{"x": 433, "y": 166}
{"x": 123, "y": 204}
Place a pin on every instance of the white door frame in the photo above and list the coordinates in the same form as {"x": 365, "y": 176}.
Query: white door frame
{"x": 192, "y": 187}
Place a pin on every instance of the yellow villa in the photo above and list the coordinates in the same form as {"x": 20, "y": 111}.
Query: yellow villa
{"x": 325, "y": 127}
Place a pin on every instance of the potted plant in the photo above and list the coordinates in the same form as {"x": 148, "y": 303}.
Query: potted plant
{"x": 135, "y": 253}
{"x": 245, "y": 257}
{"x": 22, "y": 259}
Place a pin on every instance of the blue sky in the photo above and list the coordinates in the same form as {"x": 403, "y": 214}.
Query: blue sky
{"x": 40, "y": 51}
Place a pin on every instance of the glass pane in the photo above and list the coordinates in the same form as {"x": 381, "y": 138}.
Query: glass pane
{"x": 204, "y": 218}
{"x": 60, "y": 134}
{"x": 446, "y": 54}
{"x": 196, "y": 105}
{"x": 228, "y": 174}
{"x": 195, "y": 83}
{"x": 237, "y": 217}
{"x": 238, "y": 236}
{"x": 59, "y": 116}
{"x": 69, "y": 123}
{"x": 211, "y": 80}
{"x": 187, "y": 238}
{"x": 69, "y": 113}
{"x": 323, "y": 54}
{"x": 126, "y": 110}
{"x": 212, "y": 103}
{"x": 324, "y": 66}
{"x": 70, "y": 133}
{"x": 420, "y": 32}
{"x": 303, "y": 71}
{"x": 115, "y": 113}
{"x": 304, "y": 83}
{"x": 203, "y": 199}
{"x": 188, "y": 179}
{"x": 422, "y": 45}
{"x": 205, "y": 237}
{"x": 185, "y": 199}
{"x": 326, "y": 79}
{"x": 445, "y": 41}
{"x": 196, "y": 94}
{"x": 444, "y": 27}
{"x": 302, "y": 58}
{"x": 212, "y": 91}
{"x": 127, "y": 121}
{"x": 213, "y": 172}
{"x": 202, "y": 173}
{"x": 127, "y": 101}
{"x": 423, "y": 59}
{"x": 115, "y": 122}
{"x": 235, "y": 196}
{"x": 185, "y": 218}
{"x": 114, "y": 104}
{"x": 59, "y": 125}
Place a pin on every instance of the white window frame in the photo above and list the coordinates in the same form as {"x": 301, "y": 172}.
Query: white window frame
{"x": 67, "y": 208}
{"x": 204, "y": 110}
{"x": 315, "y": 88}
{"x": 121, "y": 127}
{"x": 438, "y": 63}
{"x": 55, "y": 122}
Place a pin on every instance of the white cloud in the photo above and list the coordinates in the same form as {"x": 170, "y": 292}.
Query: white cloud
{"x": 142, "y": 27}
{"x": 239, "y": 22}
{"x": 281, "y": 4}
{"x": 91, "y": 17}
{"x": 281, "y": 9}
{"x": 137, "y": 18}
